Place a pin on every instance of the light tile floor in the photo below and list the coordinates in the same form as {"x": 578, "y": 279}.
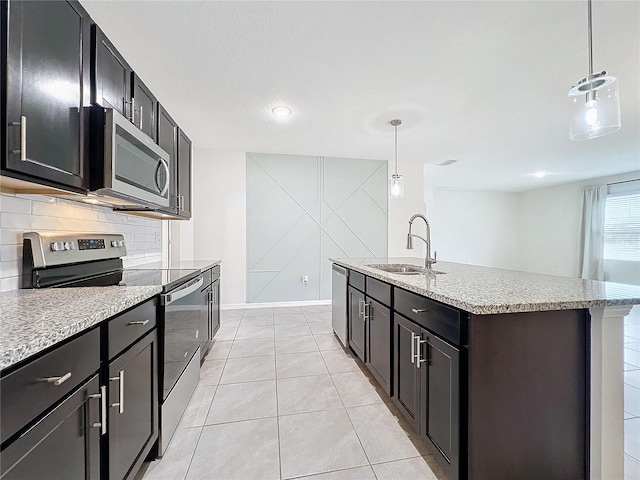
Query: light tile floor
{"x": 632, "y": 395}
{"x": 279, "y": 398}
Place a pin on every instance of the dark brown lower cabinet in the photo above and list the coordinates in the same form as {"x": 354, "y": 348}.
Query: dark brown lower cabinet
{"x": 133, "y": 407}
{"x": 357, "y": 327}
{"x": 64, "y": 445}
{"x": 427, "y": 390}
{"x": 378, "y": 330}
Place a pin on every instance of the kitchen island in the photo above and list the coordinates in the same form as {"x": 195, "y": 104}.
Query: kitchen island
{"x": 526, "y": 369}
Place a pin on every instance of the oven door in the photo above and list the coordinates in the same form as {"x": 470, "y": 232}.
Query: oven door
{"x": 182, "y": 331}
{"x": 135, "y": 167}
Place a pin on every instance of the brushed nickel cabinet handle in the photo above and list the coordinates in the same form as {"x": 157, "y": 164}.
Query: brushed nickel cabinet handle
{"x": 23, "y": 137}
{"x": 365, "y": 315}
{"x": 120, "y": 380}
{"x": 139, "y": 322}
{"x": 102, "y": 424}
{"x": 419, "y": 310}
{"x": 413, "y": 347}
{"x": 56, "y": 380}
{"x": 419, "y": 357}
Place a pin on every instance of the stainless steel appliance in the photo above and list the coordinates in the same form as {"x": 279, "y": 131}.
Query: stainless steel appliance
{"x": 131, "y": 171}
{"x": 339, "y": 277}
{"x": 87, "y": 259}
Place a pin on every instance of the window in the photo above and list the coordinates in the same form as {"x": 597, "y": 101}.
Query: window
{"x": 622, "y": 224}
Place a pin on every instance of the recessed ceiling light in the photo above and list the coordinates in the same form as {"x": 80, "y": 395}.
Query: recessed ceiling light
{"x": 540, "y": 174}
{"x": 281, "y": 112}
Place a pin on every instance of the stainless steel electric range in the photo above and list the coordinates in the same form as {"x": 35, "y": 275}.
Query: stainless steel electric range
{"x": 56, "y": 260}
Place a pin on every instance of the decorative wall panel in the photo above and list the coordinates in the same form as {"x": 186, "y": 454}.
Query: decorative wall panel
{"x": 302, "y": 210}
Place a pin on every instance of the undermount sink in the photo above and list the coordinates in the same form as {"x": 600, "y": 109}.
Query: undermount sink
{"x": 405, "y": 269}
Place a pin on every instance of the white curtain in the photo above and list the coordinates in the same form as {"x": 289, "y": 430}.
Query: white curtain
{"x": 592, "y": 232}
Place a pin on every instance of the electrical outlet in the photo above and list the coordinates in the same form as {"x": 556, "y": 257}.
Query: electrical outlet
{"x": 305, "y": 280}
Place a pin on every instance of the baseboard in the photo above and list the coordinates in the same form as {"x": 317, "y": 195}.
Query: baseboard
{"x": 247, "y": 306}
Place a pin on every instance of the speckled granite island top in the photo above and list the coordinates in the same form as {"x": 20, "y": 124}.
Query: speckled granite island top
{"x": 32, "y": 320}
{"x": 483, "y": 290}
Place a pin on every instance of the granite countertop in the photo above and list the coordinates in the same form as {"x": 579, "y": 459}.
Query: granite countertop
{"x": 483, "y": 290}
{"x": 182, "y": 264}
{"x": 33, "y": 320}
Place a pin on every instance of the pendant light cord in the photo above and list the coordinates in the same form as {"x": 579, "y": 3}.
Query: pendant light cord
{"x": 396, "y": 146}
{"x": 590, "y": 39}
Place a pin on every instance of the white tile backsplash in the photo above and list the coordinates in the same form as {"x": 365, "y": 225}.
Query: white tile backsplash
{"x": 25, "y": 213}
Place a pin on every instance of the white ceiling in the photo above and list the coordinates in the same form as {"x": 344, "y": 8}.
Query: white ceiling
{"x": 484, "y": 82}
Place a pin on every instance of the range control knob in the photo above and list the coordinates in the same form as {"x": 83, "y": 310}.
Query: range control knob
{"x": 121, "y": 243}
{"x": 114, "y": 243}
{"x": 69, "y": 246}
{"x": 57, "y": 246}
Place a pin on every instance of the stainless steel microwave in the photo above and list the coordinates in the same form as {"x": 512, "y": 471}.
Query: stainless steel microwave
{"x": 127, "y": 168}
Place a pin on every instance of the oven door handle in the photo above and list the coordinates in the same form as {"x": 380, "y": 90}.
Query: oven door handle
{"x": 169, "y": 298}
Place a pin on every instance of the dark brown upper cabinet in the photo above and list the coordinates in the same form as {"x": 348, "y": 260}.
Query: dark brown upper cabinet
{"x": 145, "y": 107}
{"x": 110, "y": 75}
{"x": 46, "y": 61}
{"x": 168, "y": 141}
{"x": 184, "y": 175}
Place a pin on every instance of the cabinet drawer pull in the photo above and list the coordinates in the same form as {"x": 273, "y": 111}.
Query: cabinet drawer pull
{"x": 102, "y": 424}
{"x": 139, "y": 322}
{"x": 120, "y": 380}
{"x": 140, "y": 126}
{"x": 23, "y": 137}
{"x": 56, "y": 380}
{"x": 419, "y": 310}
{"x": 360, "y": 309}
{"x": 413, "y": 347}
{"x": 365, "y": 312}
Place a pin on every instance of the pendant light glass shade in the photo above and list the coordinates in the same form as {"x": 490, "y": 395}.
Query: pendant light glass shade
{"x": 396, "y": 181}
{"x": 594, "y": 100}
{"x": 595, "y": 107}
{"x": 396, "y": 186}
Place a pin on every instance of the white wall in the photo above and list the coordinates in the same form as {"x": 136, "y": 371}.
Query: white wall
{"x": 549, "y": 226}
{"x": 478, "y": 228}
{"x": 219, "y": 218}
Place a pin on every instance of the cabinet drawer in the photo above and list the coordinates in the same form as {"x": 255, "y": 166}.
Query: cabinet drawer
{"x": 356, "y": 280}
{"x": 441, "y": 320}
{"x": 207, "y": 278}
{"x": 128, "y": 327}
{"x": 26, "y": 394}
{"x": 378, "y": 290}
{"x": 215, "y": 273}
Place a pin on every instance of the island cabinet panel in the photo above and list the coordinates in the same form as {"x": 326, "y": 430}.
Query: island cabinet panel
{"x": 378, "y": 323}
{"x": 406, "y": 375}
{"x": 528, "y": 395}
{"x": 47, "y": 55}
{"x": 440, "y": 393}
{"x": 357, "y": 326}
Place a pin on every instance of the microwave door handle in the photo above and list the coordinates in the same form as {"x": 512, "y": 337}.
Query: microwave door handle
{"x": 165, "y": 165}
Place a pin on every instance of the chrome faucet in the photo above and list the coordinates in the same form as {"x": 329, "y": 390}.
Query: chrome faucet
{"x": 428, "y": 261}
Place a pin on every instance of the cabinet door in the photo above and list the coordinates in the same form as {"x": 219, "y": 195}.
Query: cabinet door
{"x": 168, "y": 141}
{"x": 111, "y": 75}
{"x": 184, "y": 175}
{"x": 379, "y": 343}
{"x": 439, "y": 423}
{"x": 133, "y": 407}
{"x": 357, "y": 323}
{"x": 63, "y": 445}
{"x": 215, "y": 309}
{"x": 406, "y": 374}
{"x": 145, "y": 107}
{"x": 48, "y": 86}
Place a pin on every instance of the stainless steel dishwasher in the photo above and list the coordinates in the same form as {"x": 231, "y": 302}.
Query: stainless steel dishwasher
{"x": 339, "y": 277}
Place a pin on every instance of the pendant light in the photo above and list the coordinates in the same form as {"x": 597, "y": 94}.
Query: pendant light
{"x": 594, "y": 101}
{"x": 396, "y": 181}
